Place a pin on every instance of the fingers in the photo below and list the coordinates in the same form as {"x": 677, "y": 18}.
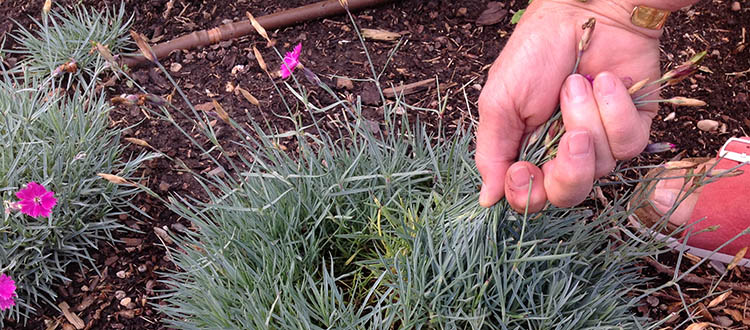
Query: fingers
{"x": 569, "y": 177}
{"x": 626, "y": 128}
{"x": 521, "y": 176}
{"x": 498, "y": 137}
{"x": 580, "y": 112}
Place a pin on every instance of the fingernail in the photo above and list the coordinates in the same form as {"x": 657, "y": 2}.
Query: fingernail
{"x": 664, "y": 199}
{"x": 605, "y": 84}
{"x": 577, "y": 88}
{"x": 519, "y": 177}
{"x": 579, "y": 144}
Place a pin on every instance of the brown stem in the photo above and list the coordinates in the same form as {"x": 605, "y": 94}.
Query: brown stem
{"x": 237, "y": 29}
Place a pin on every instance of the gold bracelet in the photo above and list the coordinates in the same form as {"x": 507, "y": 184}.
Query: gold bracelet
{"x": 649, "y": 18}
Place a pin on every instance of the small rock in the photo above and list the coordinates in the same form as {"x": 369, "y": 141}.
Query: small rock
{"x": 716, "y": 53}
{"x": 229, "y": 87}
{"x": 708, "y": 125}
{"x": 477, "y": 87}
{"x": 670, "y": 116}
{"x": 736, "y": 6}
{"x": 344, "y": 83}
{"x": 125, "y": 301}
{"x": 175, "y": 67}
{"x": 723, "y": 321}
{"x": 163, "y": 186}
{"x": 142, "y": 268}
{"x": 122, "y": 274}
{"x": 119, "y": 294}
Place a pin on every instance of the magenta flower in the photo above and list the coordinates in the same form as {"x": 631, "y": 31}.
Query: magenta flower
{"x": 291, "y": 61}
{"x": 36, "y": 200}
{"x": 7, "y": 292}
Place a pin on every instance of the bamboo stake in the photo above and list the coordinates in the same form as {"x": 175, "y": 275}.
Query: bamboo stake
{"x": 237, "y": 29}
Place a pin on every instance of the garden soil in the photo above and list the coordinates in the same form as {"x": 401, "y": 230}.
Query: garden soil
{"x": 441, "y": 40}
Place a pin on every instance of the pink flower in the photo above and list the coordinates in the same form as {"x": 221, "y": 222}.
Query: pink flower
{"x": 7, "y": 292}
{"x": 291, "y": 60}
{"x": 36, "y": 200}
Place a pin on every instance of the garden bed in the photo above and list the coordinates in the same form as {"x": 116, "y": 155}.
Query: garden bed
{"x": 441, "y": 40}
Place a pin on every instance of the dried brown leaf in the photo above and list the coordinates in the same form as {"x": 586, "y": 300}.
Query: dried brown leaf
{"x": 492, "y": 15}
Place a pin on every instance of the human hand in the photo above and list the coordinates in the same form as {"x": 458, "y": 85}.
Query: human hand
{"x": 524, "y": 87}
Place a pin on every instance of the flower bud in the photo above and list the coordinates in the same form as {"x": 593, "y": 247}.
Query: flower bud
{"x": 688, "y": 102}
{"x": 658, "y": 147}
{"x": 684, "y": 70}
{"x": 637, "y": 86}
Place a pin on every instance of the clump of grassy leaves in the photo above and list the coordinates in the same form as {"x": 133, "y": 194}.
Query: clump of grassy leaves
{"x": 66, "y": 35}
{"x": 57, "y": 133}
{"x": 381, "y": 229}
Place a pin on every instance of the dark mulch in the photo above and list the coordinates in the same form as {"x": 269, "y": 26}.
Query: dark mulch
{"x": 441, "y": 41}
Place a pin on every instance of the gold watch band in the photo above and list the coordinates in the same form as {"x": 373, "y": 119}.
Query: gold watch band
{"x": 649, "y": 18}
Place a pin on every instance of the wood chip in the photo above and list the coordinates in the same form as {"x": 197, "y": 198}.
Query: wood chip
{"x": 380, "y": 35}
{"x": 493, "y": 14}
{"x": 70, "y": 316}
{"x": 698, "y": 326}
{"x": 408, "y": 89}
{"x": 720, "y": 299}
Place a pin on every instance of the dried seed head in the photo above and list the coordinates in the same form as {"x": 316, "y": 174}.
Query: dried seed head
{"x": 223, "y": 115}
{"x": 588, "y": 30}
{"x": 114, "y": 178}
{"x": 249, "y": 97}
{"x": 684, "y": 70}
{"x": 139, "y": 142}
{"x": 47, "y": 7}
{"x": 688, "y": 102}
{"x": 256, "y": 25}
{"x": 637, "y": 86}
{"x": 155, "y": 100}
{"x": 260, "y": 60}
{"x": 679, "y": 164}
{"x": 737, "y": 257}
{"x": 144, "y": 47}
{"x": 659, "y": 147}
